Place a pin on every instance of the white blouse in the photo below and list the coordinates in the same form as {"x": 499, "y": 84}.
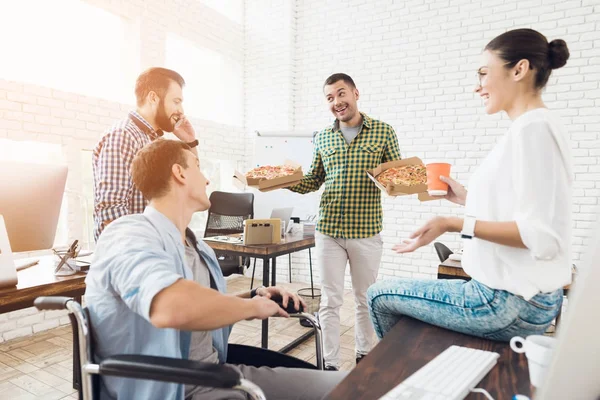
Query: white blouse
{"x": 526, "y": 178}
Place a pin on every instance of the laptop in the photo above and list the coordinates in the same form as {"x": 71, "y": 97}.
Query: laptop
{"x": 8, "y": 271}
{"x": 284, "y": 214}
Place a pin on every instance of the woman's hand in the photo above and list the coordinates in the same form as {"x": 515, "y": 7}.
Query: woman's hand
{"x": 433, "y": 229}
{"x": 457, "y": 193}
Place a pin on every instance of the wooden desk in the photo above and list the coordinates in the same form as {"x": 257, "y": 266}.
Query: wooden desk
{"x": 451, "y": 269}
{"x": 269, "y": 253}
{"x": 37, "y": 281}
{"x": 410, "y": 345}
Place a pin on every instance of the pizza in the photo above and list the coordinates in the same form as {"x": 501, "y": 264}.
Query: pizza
{"x": 270, "y": 172}
{"x": 407, "y": 175}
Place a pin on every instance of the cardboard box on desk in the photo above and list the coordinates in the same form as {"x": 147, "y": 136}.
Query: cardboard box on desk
{"x": 400, "y": 190}
{"x": 262, "y": 231}
{"x": 267, "y": 185}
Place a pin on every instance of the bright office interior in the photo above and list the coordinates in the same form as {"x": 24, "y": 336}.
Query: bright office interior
{"x": 254, "y": 73}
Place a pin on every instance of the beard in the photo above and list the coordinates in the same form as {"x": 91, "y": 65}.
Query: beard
{"x": 162, "y": 119}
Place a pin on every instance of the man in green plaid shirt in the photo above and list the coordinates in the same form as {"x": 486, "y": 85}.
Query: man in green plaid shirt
{"x": 350, "y": 215}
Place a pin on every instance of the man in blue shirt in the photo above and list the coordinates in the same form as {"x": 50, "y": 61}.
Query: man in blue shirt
{"x": 155, "y": 290}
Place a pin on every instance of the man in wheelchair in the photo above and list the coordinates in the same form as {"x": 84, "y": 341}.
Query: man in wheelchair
{"x": 153, "y": 289}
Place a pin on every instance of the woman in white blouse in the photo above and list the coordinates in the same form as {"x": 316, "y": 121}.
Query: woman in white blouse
{"x": 517, "y": 224}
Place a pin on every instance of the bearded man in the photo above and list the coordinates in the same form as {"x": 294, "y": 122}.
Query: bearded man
{"x": 159, "y": 99}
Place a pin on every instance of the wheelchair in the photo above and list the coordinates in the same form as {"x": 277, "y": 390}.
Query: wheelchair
{"x": 86, "y": 373}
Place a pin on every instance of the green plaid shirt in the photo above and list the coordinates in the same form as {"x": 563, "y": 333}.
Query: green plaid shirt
{"x": 351, "y": 203}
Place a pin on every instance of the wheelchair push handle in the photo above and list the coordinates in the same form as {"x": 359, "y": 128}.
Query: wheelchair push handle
{"x": 290, "y": 309}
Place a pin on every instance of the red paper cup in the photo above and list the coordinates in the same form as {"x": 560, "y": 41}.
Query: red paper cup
{"x": 435, "y": 187}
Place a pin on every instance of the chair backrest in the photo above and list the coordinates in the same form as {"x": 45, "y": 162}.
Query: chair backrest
{"x": 227, "y": 213}
{"x": 443, "y": 252}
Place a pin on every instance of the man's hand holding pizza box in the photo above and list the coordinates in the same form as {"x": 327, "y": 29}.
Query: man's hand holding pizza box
{"x": 268, "y": 177}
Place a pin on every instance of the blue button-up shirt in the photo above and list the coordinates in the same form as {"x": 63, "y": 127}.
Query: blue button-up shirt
{"x": 136, "y": 257}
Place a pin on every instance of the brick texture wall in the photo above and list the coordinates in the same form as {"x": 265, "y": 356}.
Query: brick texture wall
{"x": 414, "y": 63}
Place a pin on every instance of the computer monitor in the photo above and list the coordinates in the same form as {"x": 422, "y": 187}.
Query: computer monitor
{"x": 574, "y": 372}
{"x": 30, "y": 200}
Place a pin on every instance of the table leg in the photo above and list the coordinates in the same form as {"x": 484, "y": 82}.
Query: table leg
{"x": 293, "y": 344}
{"x": 273, "y": 270}
{"x": 253, "y": 271}
{"x": 265, "y": 322}
{"x": 312, "y": 286}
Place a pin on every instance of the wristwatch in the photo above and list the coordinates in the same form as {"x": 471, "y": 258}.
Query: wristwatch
{"x": 192, "y": 144}
{"x": 253, "y": 291}
{"x": 468, "y": 229}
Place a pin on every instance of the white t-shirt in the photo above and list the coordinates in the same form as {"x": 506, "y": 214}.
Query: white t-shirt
{"x": 526, "y": 178}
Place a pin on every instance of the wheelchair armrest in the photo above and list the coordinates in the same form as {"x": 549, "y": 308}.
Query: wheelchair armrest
{"x": 170, "y": 370}
{"x": 51, "y": 302}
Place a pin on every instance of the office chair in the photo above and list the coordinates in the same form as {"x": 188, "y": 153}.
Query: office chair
{"x": 442, "y": 251}
{"x": 226, "y": 215}
{"x": 86, "y": 373}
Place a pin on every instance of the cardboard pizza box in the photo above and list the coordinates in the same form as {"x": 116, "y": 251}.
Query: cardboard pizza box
{"x": 262, "y": 231}
{"x": 400, "y": 190}
{"x": 267, "y": 185}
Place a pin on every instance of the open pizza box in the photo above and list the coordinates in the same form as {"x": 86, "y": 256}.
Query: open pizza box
{"x": 267, "y": 185}
{"x": 400, "y": 190}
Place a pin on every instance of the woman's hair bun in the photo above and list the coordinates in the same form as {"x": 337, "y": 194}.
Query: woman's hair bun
{"x": 558, "y": 53}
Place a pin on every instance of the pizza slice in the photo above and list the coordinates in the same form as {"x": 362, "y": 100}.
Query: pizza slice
{"x": 407, "y": 175}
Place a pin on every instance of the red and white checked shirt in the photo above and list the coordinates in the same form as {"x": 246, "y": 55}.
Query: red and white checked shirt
{"x": 115, "y": 194}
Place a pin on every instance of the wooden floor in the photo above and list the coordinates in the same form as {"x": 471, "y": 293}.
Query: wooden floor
{"x": 40, "y": 366}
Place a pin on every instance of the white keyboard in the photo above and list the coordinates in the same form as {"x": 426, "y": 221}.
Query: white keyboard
{"x": 449, "y": 376}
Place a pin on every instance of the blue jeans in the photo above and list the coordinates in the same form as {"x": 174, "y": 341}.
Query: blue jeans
{"x": 464, "y": 306}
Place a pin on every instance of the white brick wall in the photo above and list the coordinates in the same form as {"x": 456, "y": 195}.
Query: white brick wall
{"x": 30, "y": 112}
{"x": 269, "y": 76}
{"x": 414, "y": 63}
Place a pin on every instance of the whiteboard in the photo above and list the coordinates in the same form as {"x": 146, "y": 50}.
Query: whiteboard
{"x": 275, "y": 150}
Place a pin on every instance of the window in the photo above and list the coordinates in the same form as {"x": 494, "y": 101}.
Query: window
{"x": 68, "y": 45}
{"x": 214, "y": 88}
